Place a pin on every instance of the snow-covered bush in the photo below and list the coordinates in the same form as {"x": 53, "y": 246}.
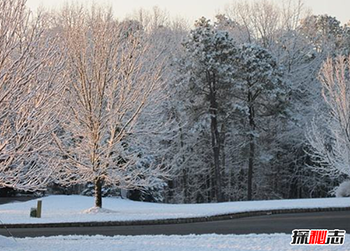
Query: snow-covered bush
{"x": 343, "y": 190}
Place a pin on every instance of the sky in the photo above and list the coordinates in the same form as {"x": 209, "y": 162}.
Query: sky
{"x": 193, "y": 9}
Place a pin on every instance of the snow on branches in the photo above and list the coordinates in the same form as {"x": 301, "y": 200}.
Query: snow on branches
{"x": 30, "y": 90}
{"x": 114, "y": 74}
{"x": 329, "y": 134}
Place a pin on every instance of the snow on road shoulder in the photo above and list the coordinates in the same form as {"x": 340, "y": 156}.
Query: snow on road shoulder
{"x": 207, "y": 242}
{"x": 75, "y": 208}
{"x": 6, "y": 243}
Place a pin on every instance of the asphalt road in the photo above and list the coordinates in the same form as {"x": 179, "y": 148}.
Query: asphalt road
{"x": 281, "y": 223}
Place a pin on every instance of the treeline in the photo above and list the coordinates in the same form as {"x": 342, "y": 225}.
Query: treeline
{"x": 248, "y": 96}
{"x": 222, "y": 111}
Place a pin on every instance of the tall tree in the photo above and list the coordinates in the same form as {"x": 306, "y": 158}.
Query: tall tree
{"x": 300, "y": 43}
{"x": 329, "y": 135}
{"x": 207, "y": 70}
{"x": 30, "y": 88}
{"x": 111, "y": 80}
{"x": 261, "y": 92}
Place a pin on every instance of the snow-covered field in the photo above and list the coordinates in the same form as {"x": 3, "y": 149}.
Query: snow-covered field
{"x": 251, "y": 242}
{"x": 74, "y": 208}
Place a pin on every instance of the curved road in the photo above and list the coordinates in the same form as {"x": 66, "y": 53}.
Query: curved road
{"x": 279, "y": 223}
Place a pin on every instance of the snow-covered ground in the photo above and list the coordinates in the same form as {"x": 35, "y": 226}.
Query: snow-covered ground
{"x": 251, "y": 242}
{"x": 74, "y": 208}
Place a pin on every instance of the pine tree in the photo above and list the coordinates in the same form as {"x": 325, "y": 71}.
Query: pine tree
{"x": 207, "y": 73}
{"x": 261, "y": 92}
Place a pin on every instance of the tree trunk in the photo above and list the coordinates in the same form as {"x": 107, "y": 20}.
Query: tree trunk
{"x": 251, "y": 146}
{"x": 251, "y": 166}
{"x": 170, "y": 194}
{"x": 98, "y": 192}
{"x": 184, "y": 171}
{"x": 224, "y": 180}
{"x": 215, "y": 136}
{"x": 208, "y": 186}
{"x": 185, "y": 185}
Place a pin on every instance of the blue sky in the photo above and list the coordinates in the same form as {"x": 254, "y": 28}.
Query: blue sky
{"x": 192, "y": 9}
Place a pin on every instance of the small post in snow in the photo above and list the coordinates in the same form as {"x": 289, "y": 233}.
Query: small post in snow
{"x": 38, "y": 208}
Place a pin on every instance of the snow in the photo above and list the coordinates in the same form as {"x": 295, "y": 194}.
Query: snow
{"x": 344, "y": 189}
{"x": 206, "y": 242}
{"x": 7, "y": 242}
{"x": 75, "y": 208}
{"x": 98, "y": 210}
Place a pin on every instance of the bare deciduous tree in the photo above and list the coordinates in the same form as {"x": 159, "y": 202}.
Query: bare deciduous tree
{"x": 112, "y": 78}
{"x": 329, "y": 135}
{"x": 29, "y": 66}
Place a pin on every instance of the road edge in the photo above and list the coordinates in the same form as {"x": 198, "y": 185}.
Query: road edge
{"x": 174, "y": 221}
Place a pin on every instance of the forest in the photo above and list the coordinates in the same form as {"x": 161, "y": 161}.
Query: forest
{"x": 252, "y": 105}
